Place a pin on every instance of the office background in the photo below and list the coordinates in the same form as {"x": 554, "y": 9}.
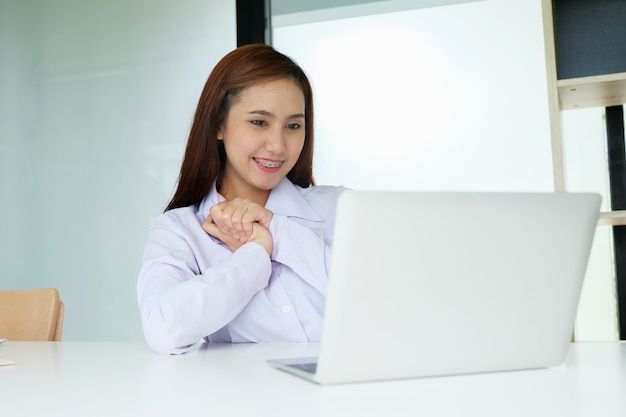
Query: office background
{"x": 97, "y": 98}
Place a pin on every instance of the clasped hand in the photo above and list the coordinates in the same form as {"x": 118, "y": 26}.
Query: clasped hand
{"x": 238, "y": 221}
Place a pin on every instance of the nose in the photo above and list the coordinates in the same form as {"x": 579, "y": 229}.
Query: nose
{"x": 275, "y": 142}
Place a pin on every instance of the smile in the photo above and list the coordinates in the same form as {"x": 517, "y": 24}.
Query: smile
{"x": 267, "y": 163}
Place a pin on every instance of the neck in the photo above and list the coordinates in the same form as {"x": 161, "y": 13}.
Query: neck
{"x": 256, "y": 196}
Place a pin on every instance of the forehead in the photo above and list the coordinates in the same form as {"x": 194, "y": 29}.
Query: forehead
{"x": 284, "y": 90}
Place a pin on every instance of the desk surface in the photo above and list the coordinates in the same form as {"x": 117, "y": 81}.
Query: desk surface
{"x": 126, "y": 379}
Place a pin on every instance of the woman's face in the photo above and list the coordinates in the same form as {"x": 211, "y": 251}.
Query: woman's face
{"x": 263, "y": 136}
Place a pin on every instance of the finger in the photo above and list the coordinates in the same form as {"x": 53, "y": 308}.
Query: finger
{"x": 259, "y": 214}
{"x": 239, "y": 221}
{"x": 233, "y": 218}
{"x": 213, "y": 230}
{"x": 249, "y": 218}
{"x": 220, "y": 216}
{"x": 210, "y": 227}
{"x": 226, "y": 219}
{"x": 227, "y": 239}
{"x": 207, "y": 222}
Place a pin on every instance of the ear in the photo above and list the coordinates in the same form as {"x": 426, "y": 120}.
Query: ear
{"x": 220, "y": 133}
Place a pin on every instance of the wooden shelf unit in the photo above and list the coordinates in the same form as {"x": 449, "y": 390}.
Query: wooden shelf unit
{"x": 598, "y": 90}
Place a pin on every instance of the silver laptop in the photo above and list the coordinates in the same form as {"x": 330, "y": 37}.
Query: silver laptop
{"x": 426, "y": 284}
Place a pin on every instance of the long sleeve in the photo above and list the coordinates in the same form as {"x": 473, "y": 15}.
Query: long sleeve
{"x": 181, "y": 301}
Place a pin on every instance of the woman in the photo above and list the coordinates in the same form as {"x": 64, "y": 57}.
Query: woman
{"x": 241, "y": 252}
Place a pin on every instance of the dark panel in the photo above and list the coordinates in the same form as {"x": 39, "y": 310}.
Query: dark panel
{"x": 250, "y": 22}
{"x": 590, "y": 37}
{"x": 617, "y": 179}
{"x": 619, "y": 242}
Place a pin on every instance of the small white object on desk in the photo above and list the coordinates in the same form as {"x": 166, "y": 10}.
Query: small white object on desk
{"x": 4, "y": 362}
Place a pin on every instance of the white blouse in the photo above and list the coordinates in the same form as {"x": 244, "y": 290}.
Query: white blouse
{"x": 192, "y": 286}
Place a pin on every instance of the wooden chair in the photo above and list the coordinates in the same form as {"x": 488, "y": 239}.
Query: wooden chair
{"x": 31, "y": 315}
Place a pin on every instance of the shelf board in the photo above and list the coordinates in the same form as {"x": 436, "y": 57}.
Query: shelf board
{"x": 596, "y": 91}
{"x": 612, "y": 218}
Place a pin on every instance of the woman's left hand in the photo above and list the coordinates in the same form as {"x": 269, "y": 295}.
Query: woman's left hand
{"x": 236, "y": 217}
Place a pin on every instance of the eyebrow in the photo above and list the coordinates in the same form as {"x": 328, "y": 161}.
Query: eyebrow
{"x": 268, "y": 114}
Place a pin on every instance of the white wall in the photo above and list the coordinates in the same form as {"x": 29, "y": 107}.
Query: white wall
{"x": 440, "y": 98}
{"x": 96, "y": 103}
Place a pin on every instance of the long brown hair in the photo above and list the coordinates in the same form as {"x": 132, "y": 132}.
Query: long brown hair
{"x": 205, "y": 157}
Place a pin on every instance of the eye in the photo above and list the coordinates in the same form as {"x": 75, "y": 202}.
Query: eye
{"x": 294, "y": 126}
{"x": 258, "y": 122}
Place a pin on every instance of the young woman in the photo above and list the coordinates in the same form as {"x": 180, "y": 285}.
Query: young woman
{"x": 241, "y": 252}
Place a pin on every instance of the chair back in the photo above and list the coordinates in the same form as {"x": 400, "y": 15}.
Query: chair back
{"x": 31, "y": 315}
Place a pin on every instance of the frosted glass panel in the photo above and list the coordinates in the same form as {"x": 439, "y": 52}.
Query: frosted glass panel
{"x": 97, "y": 100}
{"x": 440, "y": 98}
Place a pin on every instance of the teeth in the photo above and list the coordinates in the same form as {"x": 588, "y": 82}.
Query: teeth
{"x": 269, "y": 164}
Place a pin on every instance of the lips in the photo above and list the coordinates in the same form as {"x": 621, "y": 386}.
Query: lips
{"x": 268, "y": 163}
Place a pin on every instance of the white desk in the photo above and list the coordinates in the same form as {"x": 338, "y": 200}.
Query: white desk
{"x": 125, "y": 379}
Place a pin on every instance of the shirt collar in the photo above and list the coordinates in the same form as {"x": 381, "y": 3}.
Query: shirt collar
{"x": 285, "y": 199}
{"x": 211, "y": 199}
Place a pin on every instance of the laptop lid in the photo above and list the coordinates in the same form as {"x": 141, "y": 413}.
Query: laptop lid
{"x": 425, "y": 284}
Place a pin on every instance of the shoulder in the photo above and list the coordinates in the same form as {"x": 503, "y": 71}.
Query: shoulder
{"x": 323, "y": 198}
{"x": 322, "y": 190}
{"x": 182, "y": 218}
{"x": 176, "y": 230}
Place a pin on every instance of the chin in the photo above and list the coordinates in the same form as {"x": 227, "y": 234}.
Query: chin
{"x": 269, "y": 187}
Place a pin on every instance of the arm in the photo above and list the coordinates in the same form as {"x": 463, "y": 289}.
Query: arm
{"x": 180, "y": 304}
